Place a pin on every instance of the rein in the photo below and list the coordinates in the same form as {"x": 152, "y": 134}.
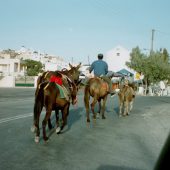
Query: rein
{"x": 64, "y": 69}
{"x": 69, "y": 80}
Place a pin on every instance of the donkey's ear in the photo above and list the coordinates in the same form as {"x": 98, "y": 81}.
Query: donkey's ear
{"x": 78, "y": 66}
{"x": 70, "y": 66}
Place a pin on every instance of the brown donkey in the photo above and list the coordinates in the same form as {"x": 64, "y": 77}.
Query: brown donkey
{"x": 126, "y": 98}
{"x": 98, "y": 90}
{"x": 49, "y": 96}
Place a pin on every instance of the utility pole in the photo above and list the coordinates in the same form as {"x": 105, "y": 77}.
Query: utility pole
{"x": 152, "y": 38}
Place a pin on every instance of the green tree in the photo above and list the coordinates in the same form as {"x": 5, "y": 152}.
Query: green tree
{"x": 137, "y": 60}
{"x": 155, "y": 67}
{"x": 165, "y": 55}
{"x": 33, "y": 67}
{"x": 158, "y": 67}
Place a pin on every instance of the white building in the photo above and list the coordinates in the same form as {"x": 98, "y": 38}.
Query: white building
{"x": 116, "y": 58}
{"x": 11, "y": 67}
{"x": 52, "y": 66}
{"x": 12, "y": 64}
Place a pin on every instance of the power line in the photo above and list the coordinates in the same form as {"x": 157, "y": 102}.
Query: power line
{"x": 162, "y": 32}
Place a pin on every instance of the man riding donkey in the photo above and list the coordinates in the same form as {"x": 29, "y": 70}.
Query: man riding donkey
{"x": 100, "y": 69}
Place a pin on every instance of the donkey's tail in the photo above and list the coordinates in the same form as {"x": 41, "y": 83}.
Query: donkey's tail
{"x": 39, "y": 81}
{"x": 39, "y": 103}
{"x": 86, "y": 94}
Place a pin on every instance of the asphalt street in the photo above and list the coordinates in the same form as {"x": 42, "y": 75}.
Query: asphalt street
{"x": 128, "y": 143}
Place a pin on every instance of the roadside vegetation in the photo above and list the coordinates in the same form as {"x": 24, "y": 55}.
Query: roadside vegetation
{"x": 155, "y": 66}
{"x": 33, "y": 67}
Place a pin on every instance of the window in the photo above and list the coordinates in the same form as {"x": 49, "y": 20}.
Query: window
{"x": 117, "y": 54}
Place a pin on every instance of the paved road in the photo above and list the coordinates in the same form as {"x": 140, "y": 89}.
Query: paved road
{"x": 130, "y": 143}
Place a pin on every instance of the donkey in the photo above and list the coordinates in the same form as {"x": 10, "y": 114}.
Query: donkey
{"x": 49, "y": 96}
{"x": 98, "y": 89}
{"x": 126, "y": 97}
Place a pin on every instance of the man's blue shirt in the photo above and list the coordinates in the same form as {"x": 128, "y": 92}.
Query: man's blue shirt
{"x": 100, "y": 67}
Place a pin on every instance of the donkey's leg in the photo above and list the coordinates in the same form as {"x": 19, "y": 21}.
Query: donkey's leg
{"x": 44, "y": 122}
{"x": 131, "y": 106}
{"x": 120, "y": 108}
{"x": 125, "y": 108}
{"x": 121, "y": 102}
{"x": 37, "y": 111}
{"x": 64, "y": 115}
{"x": 99, "y": 111}
{"x": 93, "y": 105}
{"x": 57, "y": 121}
{"x": 37, "y": 129}
{"x": 50, "y": 126}
{"x": 86, "y": 102}
{"x": 103, "y": 107}
{"x": 127, "y": 112}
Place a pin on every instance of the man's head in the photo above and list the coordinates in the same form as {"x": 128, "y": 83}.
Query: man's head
{"x": 100, "y": 56}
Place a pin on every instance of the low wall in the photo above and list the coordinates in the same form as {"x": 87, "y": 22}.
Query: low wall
{"x": 12, "y": 81}
{"x": 7, "y": 81}
{"x": 35, "y": 81}
{"x": 24, "y": 81}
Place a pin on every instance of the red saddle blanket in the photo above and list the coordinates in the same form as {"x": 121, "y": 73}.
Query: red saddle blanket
{"x": 57, "y": 80}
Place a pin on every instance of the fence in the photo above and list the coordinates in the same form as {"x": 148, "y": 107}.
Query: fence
{"x": 24, "y": 81}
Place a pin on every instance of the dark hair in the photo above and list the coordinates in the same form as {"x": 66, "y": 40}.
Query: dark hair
{"x": 100, "y": 56}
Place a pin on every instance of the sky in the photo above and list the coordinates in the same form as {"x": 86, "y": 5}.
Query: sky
{"x": 78, "y": 30}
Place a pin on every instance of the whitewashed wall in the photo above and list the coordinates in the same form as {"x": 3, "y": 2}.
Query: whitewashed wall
{"x": 7, "y": 81}
{"x": 116, "y": 58}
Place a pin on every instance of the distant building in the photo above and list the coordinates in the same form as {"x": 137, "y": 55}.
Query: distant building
{"x": 11, "y": 67}
{"x": 116, "y": 58}
{"x": 9, "y": 64}
{"x": 85, "y": 68}
{"x": 52, "y": 66}
{"x": 11, "y": 61}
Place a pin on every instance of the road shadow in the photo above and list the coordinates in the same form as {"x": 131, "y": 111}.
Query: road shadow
{"x": 112, "y": 167}
{"x": 74, "y": 116}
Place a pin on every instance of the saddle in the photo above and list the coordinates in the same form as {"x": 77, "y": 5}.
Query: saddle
{"x": 104, "y": 83}
{"x": 60, "y": 81}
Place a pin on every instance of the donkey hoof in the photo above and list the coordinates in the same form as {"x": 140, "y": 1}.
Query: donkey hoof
{"x": 58, "y": 129}
{"x": 98, "y": 116}
{"x": 50, "y": 127}
{"x": 33, "y": 129}
{"x": 103, "y": 117}
{"x": 94, "y": 117}
{"x": 37, "y": 139}
{"x": 46, "y": 139}
{"x": 88, "y": 120}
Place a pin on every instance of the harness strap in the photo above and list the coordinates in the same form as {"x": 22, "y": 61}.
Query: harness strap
{"x": 68, "y": 79}
{"x": 46, "y": 86}
{"x": 46, "y": 74}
